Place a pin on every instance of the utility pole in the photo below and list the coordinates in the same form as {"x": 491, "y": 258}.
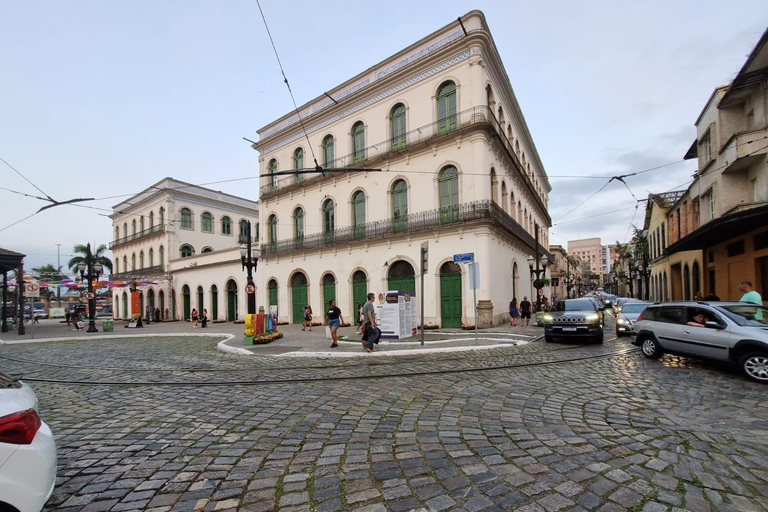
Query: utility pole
{"x": 58, "y": 269}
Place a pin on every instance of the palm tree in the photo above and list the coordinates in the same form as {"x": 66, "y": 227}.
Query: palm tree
{"x": 98, "y": 255}
{"x": 48, "y": 272}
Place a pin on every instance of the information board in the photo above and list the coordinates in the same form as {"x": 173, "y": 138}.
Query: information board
{"x": 396, "y": 314}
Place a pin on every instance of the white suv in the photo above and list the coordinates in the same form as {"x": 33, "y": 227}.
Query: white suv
{"x": 736, "y": 332}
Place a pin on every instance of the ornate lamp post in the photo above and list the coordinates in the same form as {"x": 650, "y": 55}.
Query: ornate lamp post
{"x": 250, "y": 259}
{"x": 643, "y": 271}
{"x": 94, "y": 270}
{"x": 538, "y": 271}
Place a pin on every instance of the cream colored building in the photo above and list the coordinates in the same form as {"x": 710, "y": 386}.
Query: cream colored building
{"x": 458, "y": 169}
{"x": 180, "y": 243}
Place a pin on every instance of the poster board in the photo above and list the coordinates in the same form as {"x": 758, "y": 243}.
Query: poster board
{"x": 396, "y": 314}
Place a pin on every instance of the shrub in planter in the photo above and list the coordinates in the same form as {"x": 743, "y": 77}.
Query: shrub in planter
{"x": 263, "y": 339}
{"x": 430, "y": 327}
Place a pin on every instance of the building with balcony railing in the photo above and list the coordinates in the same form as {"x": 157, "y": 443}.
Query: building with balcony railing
{"x": 444, "y": 155}
{"x": 168, "y": 238}
{"x": 729, "y": 193}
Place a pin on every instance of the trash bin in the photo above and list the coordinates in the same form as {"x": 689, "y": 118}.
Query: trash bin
{"x": 107, "y": 326}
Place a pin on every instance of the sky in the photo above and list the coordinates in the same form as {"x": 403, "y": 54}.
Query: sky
{"x": 102, "y": 99}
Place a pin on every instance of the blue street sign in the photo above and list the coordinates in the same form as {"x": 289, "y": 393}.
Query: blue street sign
{"x": 464, "y": 258}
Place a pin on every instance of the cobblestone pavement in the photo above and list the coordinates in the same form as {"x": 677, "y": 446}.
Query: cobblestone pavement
{"x": 544, "y": 427}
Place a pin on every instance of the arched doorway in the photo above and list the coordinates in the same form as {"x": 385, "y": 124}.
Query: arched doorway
{"x": 515, "y": 275}
{"x": 125, "y": 306}
{"x": 696, "y": 275}
{"x": 359, "y": 289}
{"x": 231, "y": 300}
{"x": 214, "y": 302}
{"x": 686, "y": 282}
{"x": 161, "y": 296}
{"x": 116, "y": 306}
{"x": 151, "y": 300}
{"x": 200, "y": 301}
{"x": 141, "y": 304}
{"x": 402, "y": 277}
{"x": 329, "y": 289}
{"x": 272, "y": 287}
{"x": 186, "y": 300}
{"x": 299, "y": 296}
{"x": 450, "y": 294}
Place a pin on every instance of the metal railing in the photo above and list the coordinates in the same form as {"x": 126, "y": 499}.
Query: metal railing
{"x": 160, "y": 228}
{"x": 415, "y": 222}
{"x": 157, "y": 271}
{"x": 476, "y": 116}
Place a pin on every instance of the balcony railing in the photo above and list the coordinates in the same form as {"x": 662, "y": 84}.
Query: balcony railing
{"x": 416, "y": 222}
{"x": 155, "y": 272}
{"x": 476, "y": 116}
{"x": 160, "y": 228}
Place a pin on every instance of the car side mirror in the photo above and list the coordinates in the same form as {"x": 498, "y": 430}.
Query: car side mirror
{"x": 713, "y": 325}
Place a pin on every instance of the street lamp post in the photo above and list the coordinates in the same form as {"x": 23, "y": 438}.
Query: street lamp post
{"x": 250, "y": 259}
{"x": 94, "y": 270}
{"x": 538, "y": 270}
{"x": 631, "y": 281}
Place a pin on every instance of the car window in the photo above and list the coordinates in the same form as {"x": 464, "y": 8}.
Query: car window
{"x": 652, "y": 313}
{"x": 672, "y": 315}
{"x": 633, "y": 307}
{"x": 574, "y": 305}
{"x": 747, "y": 315}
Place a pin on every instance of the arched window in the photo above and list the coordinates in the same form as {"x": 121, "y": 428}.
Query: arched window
{"x": 328, "y": 153}
{"x": 161, "y": 256}
{"x": 329, "y": 220}
{"x": 162, "y": 216}
{"x": 512, "y": 205}
{"x": 117, "y": 233}
{"x": 696, "y": 275}
{"x": 141, "y": 259}
{"x": 399, "y": 206}
{"x": 207, "y": 222}
{"x": 243, "y": 231}
{"x": 125, "y": 264}
{"x": 494, "y": 185}
{"x": 449, "y": 195}
{"x": 358, "y": 142}
{"x": 206, "y": 250}
{"x": 358, "y": 214}
{"x": 186, "y": 218}
{"x": 151, "y": 257}
{"x": 298, "y": 163}
{"x": 501, "y": 115}
{"x": 397, "y": 126}
{"x": 272, "y": 168}
{"x": 125, "y": 229}
{"x": 151, "y": 220}
{"x": 504, "y": 196}
{"x": 133, "y": 261}
{"x": 298, "y": 223}
{"x": 272, "y": 230}
{"x": 187, "y": 251}
{"x": 446, "y": 107}
{"x": 133, "y": 227}
{"x": 141, "y": 224}
{"x": 117, "y": 265}
{"x": 226, "y": 225}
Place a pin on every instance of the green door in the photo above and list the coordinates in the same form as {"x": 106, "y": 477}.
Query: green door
{"x": 299, "y": 300}
{"x": 272, "y": 293}
{"x": 403, "y": 284}
{"x": 450, "y": 299}
{"x": 231, "y": 301}
{"x": 359, "y": 290}
{"x": 329, "y": 290}
{"x": 214, "y": 302}
{"x": 187, "y": 314}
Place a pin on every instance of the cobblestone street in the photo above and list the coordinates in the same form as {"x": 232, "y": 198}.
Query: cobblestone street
{"x": 173, "y": 424}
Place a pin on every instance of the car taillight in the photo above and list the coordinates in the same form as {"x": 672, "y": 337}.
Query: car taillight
{"x": 19, "y": 427}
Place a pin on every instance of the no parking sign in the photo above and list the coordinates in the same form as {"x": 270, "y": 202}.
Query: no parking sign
{"x": 32, "y": 290}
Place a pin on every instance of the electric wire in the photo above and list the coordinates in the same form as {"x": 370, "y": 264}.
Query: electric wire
{"x": 27, "y": 180}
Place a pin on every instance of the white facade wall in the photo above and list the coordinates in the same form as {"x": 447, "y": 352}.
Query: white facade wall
{"x": 484, "y": 171}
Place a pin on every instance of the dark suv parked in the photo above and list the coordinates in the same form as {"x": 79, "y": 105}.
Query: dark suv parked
{"x": 574, "y": 318}
{"x": 736, "y": 332}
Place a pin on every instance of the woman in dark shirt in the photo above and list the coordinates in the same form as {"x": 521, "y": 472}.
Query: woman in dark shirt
{"x": 333, "y": 319}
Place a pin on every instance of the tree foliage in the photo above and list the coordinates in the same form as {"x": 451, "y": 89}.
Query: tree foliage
{"x": 98, "y": 255}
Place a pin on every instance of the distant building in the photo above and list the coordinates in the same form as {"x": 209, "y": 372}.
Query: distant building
{"x": 724, "y": 212}
{"x": 180, "y": 243}
{"x": 590, "y": 253}
{"x": 454, "y": 165}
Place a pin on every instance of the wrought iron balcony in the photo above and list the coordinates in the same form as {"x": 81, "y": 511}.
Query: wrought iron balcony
{"x": 430, "y": 220}
{"x": 160, "y": 228}
{"x": 155, "y": 272}
{"x": 473, "y": 118}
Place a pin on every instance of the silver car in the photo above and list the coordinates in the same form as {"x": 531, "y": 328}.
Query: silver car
{"x": 627, "y": 316}
{"x": 735, "y": 332}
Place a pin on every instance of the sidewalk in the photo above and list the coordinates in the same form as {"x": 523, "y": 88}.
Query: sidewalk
{"x": 294, "y": 343}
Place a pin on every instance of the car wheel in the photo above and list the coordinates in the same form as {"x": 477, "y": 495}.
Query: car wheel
{"x": 755, "y": 366}
{"x": 651, "y": 348}
{"x": 599, "y": 337}
{"x": 548, "y": 338}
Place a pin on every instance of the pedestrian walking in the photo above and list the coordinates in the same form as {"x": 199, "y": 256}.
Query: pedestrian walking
{"x": 68, "y": 317}
{"x": 369, "y": 314}
{"x": 307, "y": 318}
{"x": 204, "y": 318}
{"x": 360, "y": 319}
{"x": 35, "y": 320}
{"x": 157, "y": 315}
{"x": 525, "y": 312}
{"x": 333, "y": 319}
{"x": 514, "y": 313}
{"x": 752, "y": 296}
{"x": 195, "y": 318}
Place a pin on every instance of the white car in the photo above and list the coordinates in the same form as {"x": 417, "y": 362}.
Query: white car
{"x": 27, "y": 450}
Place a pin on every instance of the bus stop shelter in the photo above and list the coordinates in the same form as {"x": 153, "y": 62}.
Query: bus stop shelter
{"x": 10, "y": 261}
